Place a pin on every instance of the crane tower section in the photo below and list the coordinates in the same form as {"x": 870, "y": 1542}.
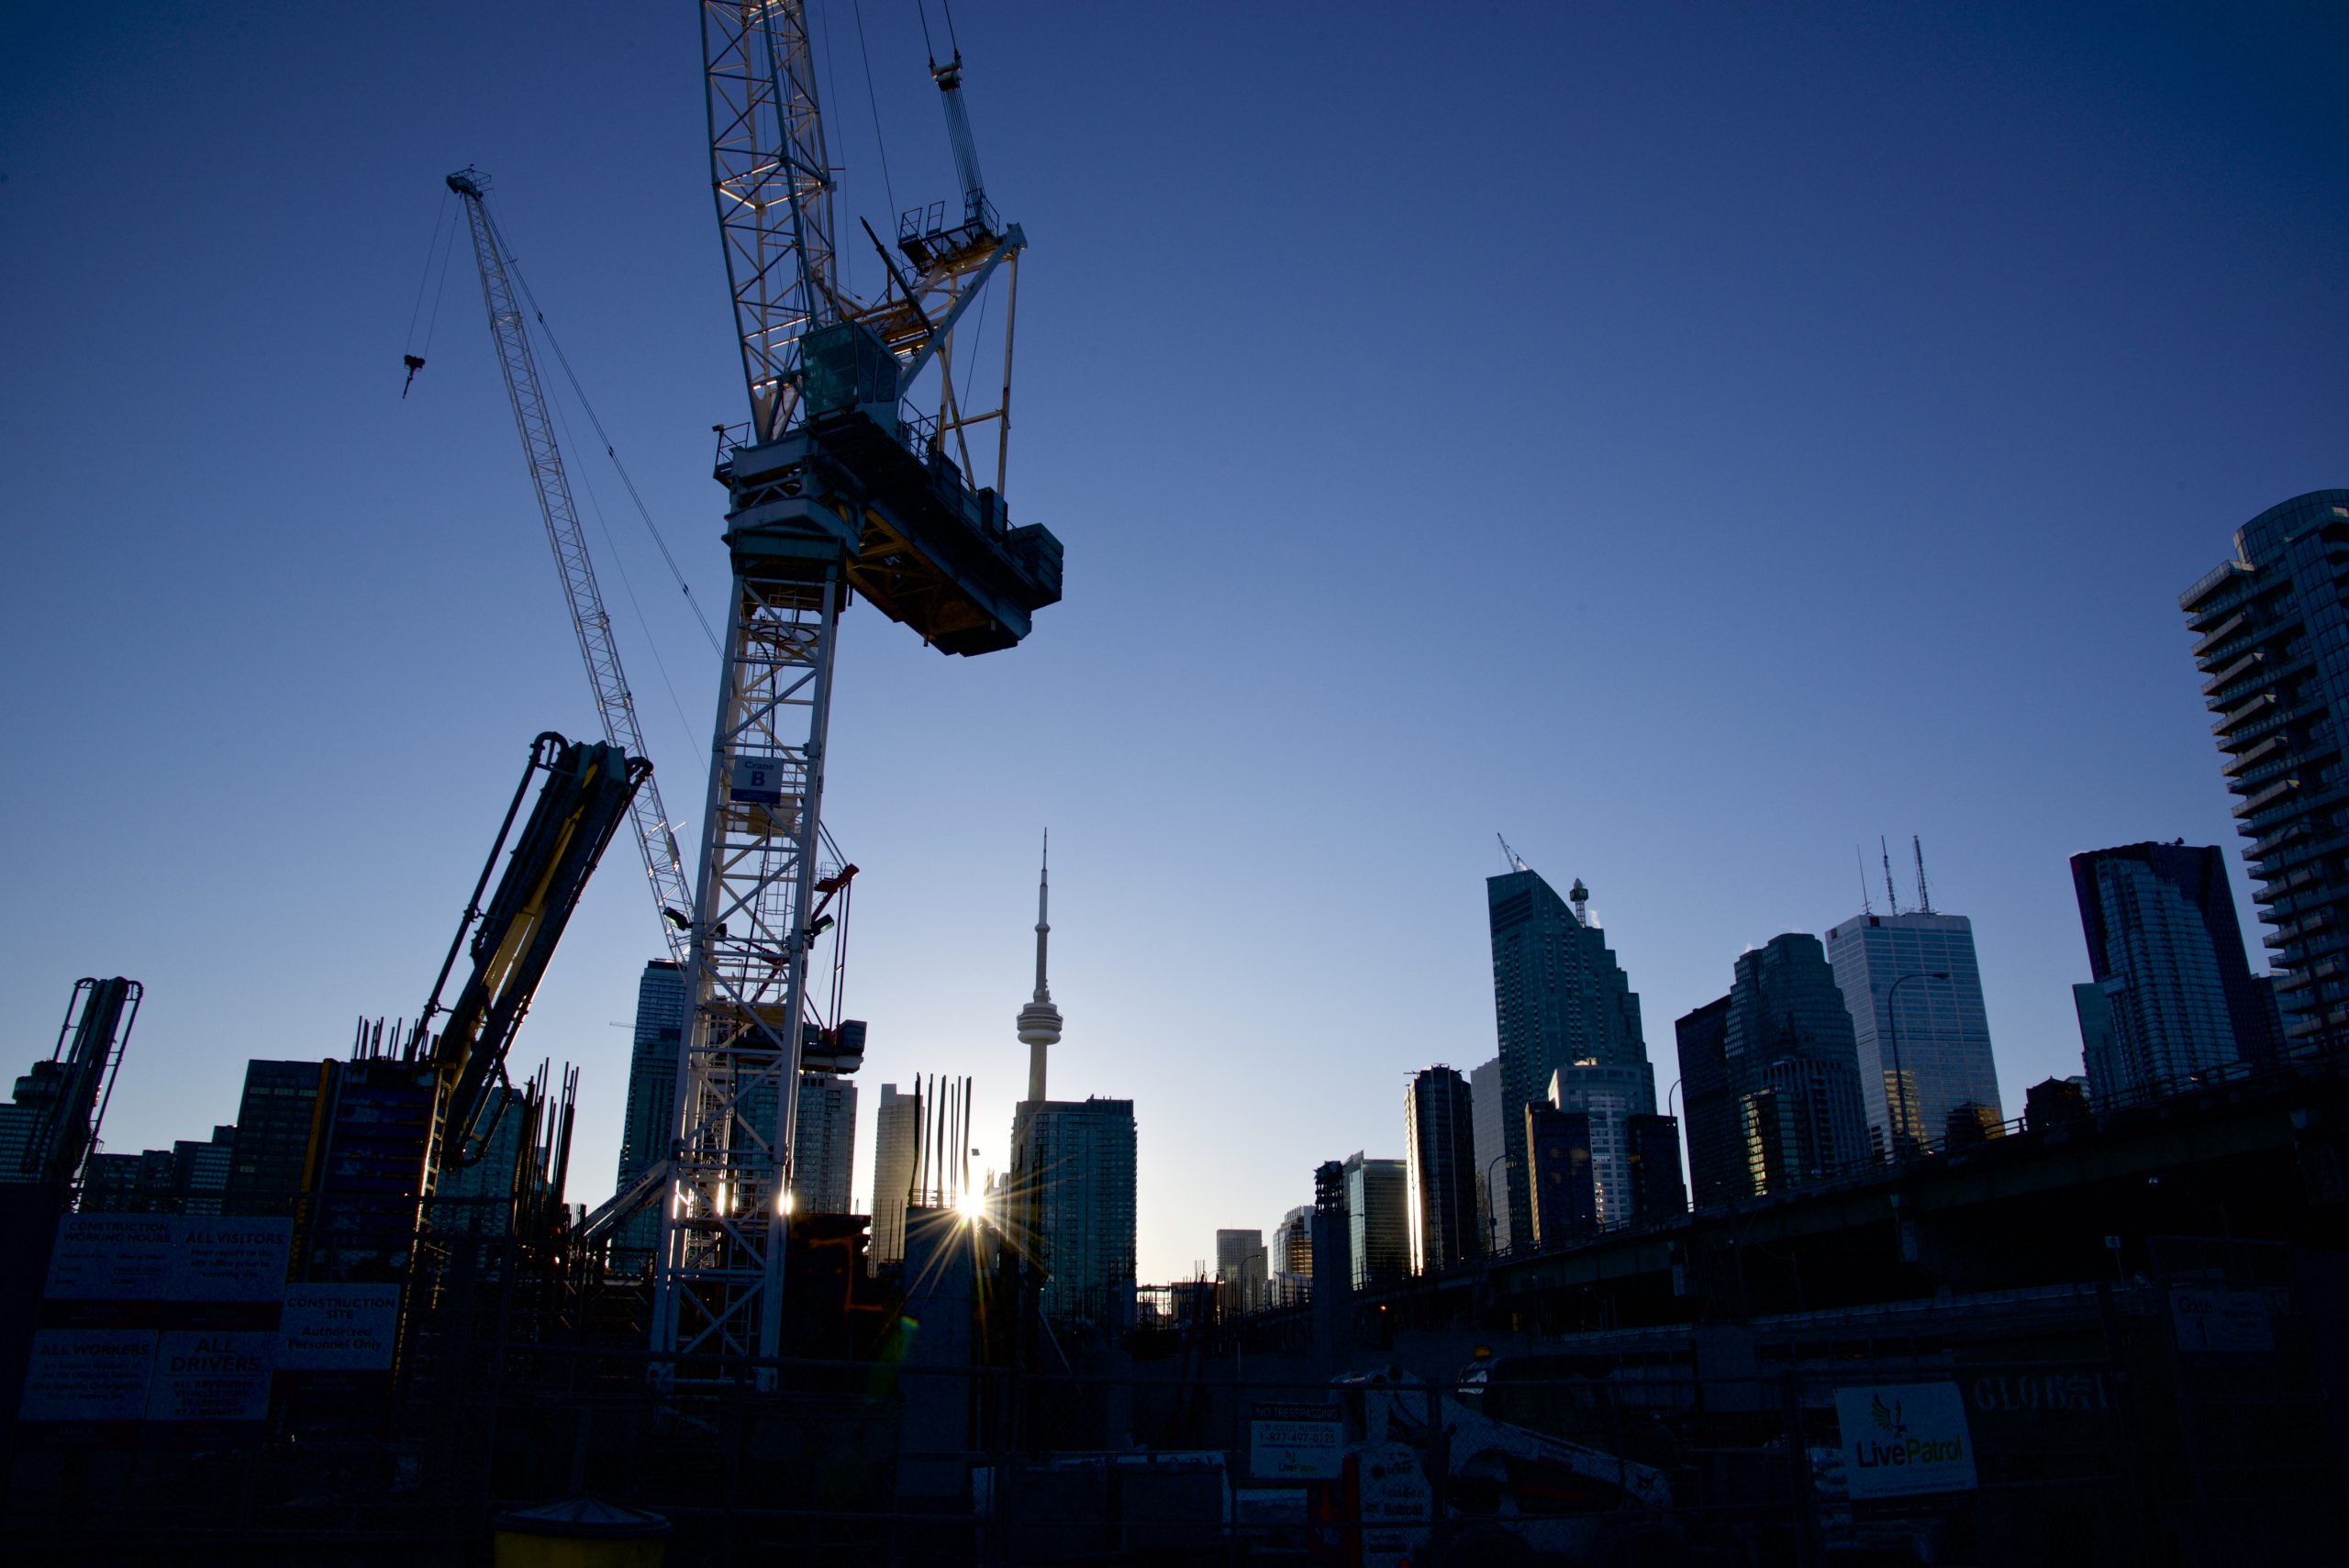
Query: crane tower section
{"x": 844, "y": 479}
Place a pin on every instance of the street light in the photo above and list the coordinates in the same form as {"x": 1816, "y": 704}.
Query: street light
{"x": 1892, "y": 1026}
{"x": 1492, "y": 1209}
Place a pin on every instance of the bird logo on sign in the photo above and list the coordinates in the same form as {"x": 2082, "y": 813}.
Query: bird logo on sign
{"x": 1888, "y": 1418}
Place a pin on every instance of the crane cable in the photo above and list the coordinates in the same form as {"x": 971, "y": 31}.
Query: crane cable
{"x": 873, "y": 99}
{"x": 412, "y": 356}
{"x": 644, "y": 513}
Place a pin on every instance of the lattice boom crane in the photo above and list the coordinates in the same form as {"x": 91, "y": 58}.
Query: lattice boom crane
{"x": 533, "y": 416}
{"x": 838, "y": 482}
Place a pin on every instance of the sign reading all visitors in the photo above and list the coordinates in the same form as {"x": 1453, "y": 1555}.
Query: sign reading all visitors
{"x": 1905, "y": 1439}
{"x": 1296, "y": 1443}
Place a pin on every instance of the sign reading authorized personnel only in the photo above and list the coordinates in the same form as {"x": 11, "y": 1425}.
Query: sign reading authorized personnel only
{"x": 1296, "y": 1443}
{"x": 1904, "y": 1440}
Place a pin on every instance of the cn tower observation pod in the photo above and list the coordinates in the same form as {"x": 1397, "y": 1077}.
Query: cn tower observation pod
{"x": 862, "y": 476}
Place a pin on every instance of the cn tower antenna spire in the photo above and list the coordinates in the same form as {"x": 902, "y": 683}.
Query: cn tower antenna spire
{"x": 1039, "y": 1022}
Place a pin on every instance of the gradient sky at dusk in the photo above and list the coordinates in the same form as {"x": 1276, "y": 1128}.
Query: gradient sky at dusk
{"x": 1691, "y": 440}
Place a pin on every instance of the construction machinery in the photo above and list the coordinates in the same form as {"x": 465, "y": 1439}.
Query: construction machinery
{"x": 72, "y": 1088}
{"x": 534, "y": 419}
{"x": 842, "y": 479}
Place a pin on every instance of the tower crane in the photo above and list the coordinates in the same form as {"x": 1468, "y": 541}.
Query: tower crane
{"x": 839, "y": 482}
{"x": 533, "y": 417}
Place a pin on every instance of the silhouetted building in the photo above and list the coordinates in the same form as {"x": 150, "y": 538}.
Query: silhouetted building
{"x": 823, "y": 1150}
{"x": 896, "y": 1140}
{"x": 1239, "y": 1271}
{"x": 1561, "y": 1003}
{"x": 2095, "y": 1014}
{"x": 1924, "y": 1049}
{"x": 649, "y": 1125}
{"x": 1788, "y": 1051}
{"x": 1969, "y": 1127}
{"x": 1439, "y": 1129}
{"x": 1291, "y": 1262}
{"x": 1565, "y": 1188}
{"x": 1378, "y": 1226}
{"x": 2271, "y": 630}
{"x": 1072, "y": 1206}
{"x": 1717, "y": 1163}
{"x": 2054, "y": 1101}
{"x": 271, "y": 1150}
{"x": 2167, "y": 953}
{"x": 1611, "y": 1098}
{"x": 1486, "y": 1099}
{"x": 34, "y": 1101}
{"x": 1657, "y": 1189}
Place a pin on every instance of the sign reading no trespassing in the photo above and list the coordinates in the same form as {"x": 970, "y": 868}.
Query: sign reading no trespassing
{"x": 1296, "y": 1443}
{"x": 1905, "y": 1439}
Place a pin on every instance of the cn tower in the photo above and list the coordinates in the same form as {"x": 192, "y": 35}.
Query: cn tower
{"x": 1039, "y": 1022}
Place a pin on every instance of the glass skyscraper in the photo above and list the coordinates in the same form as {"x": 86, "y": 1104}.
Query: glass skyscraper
{"x": 1379, "y": 1225}
{"x": 1440, "y": 1134}
{"x": 1071, "y": 1205}
{"x": 1934, "y": 1034}
{"x": 649, "y": 1123}
{"x": 1562, "y": 1003}
{"x": 2271, "y": 630}
{"x": 2167, "y": 951}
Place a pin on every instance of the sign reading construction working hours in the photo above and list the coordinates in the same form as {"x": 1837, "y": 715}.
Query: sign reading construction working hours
{"x": 1296, "y": 1443}
{"x": 1905, "y": 1439}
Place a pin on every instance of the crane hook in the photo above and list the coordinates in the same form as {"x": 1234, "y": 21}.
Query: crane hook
{"x": 414, "y": 364}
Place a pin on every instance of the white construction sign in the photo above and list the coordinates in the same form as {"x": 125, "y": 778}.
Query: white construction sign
{"x": 1904, "y": 1440}
{"x": 338, "y": 1327}
{"x": 1296, "y": 1443}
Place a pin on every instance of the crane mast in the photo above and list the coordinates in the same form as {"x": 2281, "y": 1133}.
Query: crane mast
{"x": 836, "y": 484}
{"x": 533, "y": 417}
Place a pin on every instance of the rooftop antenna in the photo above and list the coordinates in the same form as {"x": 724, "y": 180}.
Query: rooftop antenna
{"x": 1861, "y": 860}
{"x": 1923, "y": 897}
{"x": 1891, "y": 896}
{"x": 1510, "y": 860}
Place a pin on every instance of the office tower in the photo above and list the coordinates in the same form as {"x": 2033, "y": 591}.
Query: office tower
{"x": 1239, "y": 1271}
{"x": 1562, "y": 1004}
{"x": 1378, "y": 1226}
{"x": 896, "y": 1140}
{"x": 1654, "y": 1142}
{"x": 1039, "y": 1023}
{"x": 129, "y": 1184}
{"x": 2271, "y": 628}
{"x": 1717, "y": 1163}
{"x": 2095, "y": 1014}
{"x": 648, "y": 1125}
{"x": 1439, "y": 1157}
{"x": 1072, "y": 1207}
{"x": 200, "y": 1171}
{"x": 1485, "y": 1100}
{"x": 2053, "y": 1103}
{"x": 1788, "y": 1044}
{"x": 1611, "y": 1098}
{"x": 1924, "y": 1049}
{"x": 1333, "y": 1259}
{"x": 272, "y": 1149}
{"x": 37, "y": 1093}
{"x": 1564, "y": 1185}
{"x": 2168, "y": 954}
{"x": 823, "y": 1150}
{"x": 1291, "y": 1262}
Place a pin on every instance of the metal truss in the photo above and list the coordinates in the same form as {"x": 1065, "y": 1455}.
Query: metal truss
{"x": 719, "y": 1270}
{"x": 774, "y": 191}
{"x": 655, "y": 835}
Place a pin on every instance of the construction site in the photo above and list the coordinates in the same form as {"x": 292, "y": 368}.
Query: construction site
{"x": 2106, "y": 1336}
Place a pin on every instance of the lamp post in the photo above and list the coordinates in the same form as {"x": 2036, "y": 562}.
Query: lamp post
{"x": 1892, "y": 1026}
{"x": 1492, "y": 1209}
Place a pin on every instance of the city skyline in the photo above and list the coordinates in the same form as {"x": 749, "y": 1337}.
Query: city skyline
{"x": 1943, "y": 505}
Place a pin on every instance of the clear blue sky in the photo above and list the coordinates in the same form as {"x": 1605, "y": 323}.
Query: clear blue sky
{"x": 1691, "y": 440}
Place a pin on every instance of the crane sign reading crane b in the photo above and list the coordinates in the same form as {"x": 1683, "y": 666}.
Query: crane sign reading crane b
{"x": 757, "y": 781}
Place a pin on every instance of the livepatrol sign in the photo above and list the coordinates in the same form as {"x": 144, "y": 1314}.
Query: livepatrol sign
{"x": 1904, "y": 1440}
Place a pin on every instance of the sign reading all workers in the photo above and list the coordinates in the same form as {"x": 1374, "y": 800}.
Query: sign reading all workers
{"x": 1905, "y": 1439}
{"x": 1296, "y": 1443}
{"x": 88, "y": 1375}
{"x": 338, "y": 1327}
